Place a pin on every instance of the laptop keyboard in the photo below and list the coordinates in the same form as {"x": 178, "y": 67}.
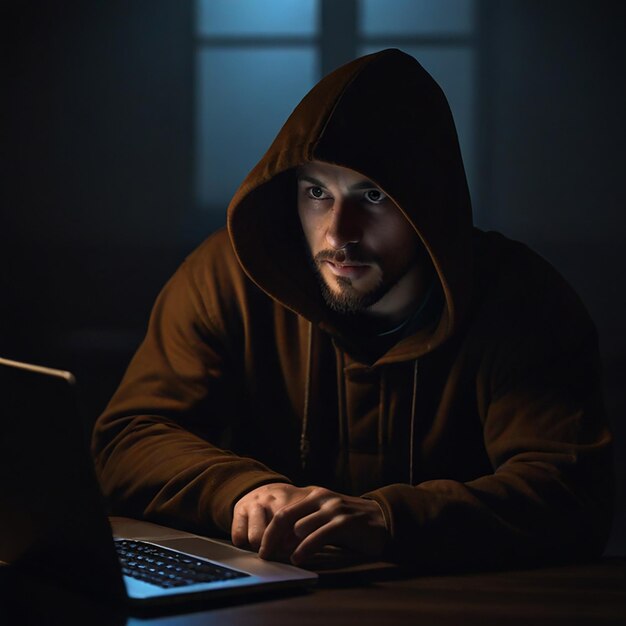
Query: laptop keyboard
{"x": 168, "y": 568}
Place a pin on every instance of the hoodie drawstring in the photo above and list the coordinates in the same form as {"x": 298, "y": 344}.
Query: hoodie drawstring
{"x": 382, "y": 437}
{"x": 382, "y": 422}
{"x": 305, "y": 445}
{"x": 412, "y": 427}
{"x": 343, "y": 421}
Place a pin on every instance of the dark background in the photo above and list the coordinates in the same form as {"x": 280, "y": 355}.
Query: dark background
{"x": 97, "y": 145}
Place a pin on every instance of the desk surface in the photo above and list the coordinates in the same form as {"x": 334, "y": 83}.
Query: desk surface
{"x": 592, "y": 594}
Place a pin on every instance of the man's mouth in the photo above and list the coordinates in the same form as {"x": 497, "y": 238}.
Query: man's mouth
{"x": 347, "y": 269}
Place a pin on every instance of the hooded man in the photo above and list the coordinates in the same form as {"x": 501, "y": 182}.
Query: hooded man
{"x": 351, "y": 363}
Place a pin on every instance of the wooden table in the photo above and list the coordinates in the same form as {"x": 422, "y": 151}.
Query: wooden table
{"x": 592, "y": 594}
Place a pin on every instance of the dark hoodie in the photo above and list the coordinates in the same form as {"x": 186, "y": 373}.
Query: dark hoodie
{"x": 481, "y": 434}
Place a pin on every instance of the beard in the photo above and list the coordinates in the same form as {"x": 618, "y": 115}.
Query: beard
{"x": 346, "y": 299}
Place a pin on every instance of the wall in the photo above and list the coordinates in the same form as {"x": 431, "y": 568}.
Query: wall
{"x": 98, "y": 141}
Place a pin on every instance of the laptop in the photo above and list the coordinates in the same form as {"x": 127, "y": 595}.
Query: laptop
{"x": 53, "y": 518}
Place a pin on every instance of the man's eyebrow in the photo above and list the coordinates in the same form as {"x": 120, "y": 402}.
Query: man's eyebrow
{"x": 364, "y": 184}
{"x": 310, "y": 179}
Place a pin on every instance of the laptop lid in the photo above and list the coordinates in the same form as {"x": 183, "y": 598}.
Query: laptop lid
{"x": 51, "y": 508}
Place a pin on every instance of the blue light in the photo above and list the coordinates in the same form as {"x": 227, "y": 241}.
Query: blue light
{"x": 416, "y": 17}
{"x": 257, "y": 17}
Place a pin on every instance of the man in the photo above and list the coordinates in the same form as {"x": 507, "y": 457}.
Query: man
{"x": 351, "y": 363}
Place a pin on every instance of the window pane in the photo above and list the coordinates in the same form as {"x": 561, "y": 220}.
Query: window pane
{"x": 416, "y": 17}
{"x": 256, "y": 17}
{"x": 454, "y": 68}
{"x": 244, "y": 97}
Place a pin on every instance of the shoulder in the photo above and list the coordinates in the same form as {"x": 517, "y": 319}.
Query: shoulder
{"x": 220, "y": 286}
{"x": 511, "y": 273}
{"x": 518, "y": 294}
{"x": 215, "y": 253}
{"x": 213, "y": 264}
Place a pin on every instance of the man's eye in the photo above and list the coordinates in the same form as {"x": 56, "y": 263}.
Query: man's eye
{"x": 316, "y": 192}
{"x": 375, "y": 195}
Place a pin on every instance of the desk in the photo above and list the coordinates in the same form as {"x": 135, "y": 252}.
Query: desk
{"x": 592, "y": 594}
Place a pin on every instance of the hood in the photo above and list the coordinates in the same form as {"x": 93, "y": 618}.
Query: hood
{"x": 385, "y": 117}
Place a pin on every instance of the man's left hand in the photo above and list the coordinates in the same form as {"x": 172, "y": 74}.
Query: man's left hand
{"x": 323, "y": 517}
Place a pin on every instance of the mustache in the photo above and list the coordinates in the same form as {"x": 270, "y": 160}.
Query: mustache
{"x": 344, "y": 256}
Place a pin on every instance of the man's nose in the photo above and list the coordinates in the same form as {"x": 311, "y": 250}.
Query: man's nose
{"x": 344, "y": 226}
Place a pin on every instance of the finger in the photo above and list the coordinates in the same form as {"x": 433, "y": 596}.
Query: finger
{"x": 309, "y": 524}
{"x": 239, "y": 528}
{"x": 257, "y": 523}
{"x": 330, "y": 533}
{"x": 282, "y": 524}
{"x": 292, "y": 538}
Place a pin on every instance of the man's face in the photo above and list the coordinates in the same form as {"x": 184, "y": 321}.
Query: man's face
{"x": 367, "y": 255}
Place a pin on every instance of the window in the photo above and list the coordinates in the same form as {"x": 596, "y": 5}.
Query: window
{"x": 255, "y": 60}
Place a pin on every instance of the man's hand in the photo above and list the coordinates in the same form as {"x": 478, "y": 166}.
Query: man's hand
{"x": 286, "y": 522}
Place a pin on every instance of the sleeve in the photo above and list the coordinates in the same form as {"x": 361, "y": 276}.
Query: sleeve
{"x": 151, "y": 446}
{"x": 549, "y": 497}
